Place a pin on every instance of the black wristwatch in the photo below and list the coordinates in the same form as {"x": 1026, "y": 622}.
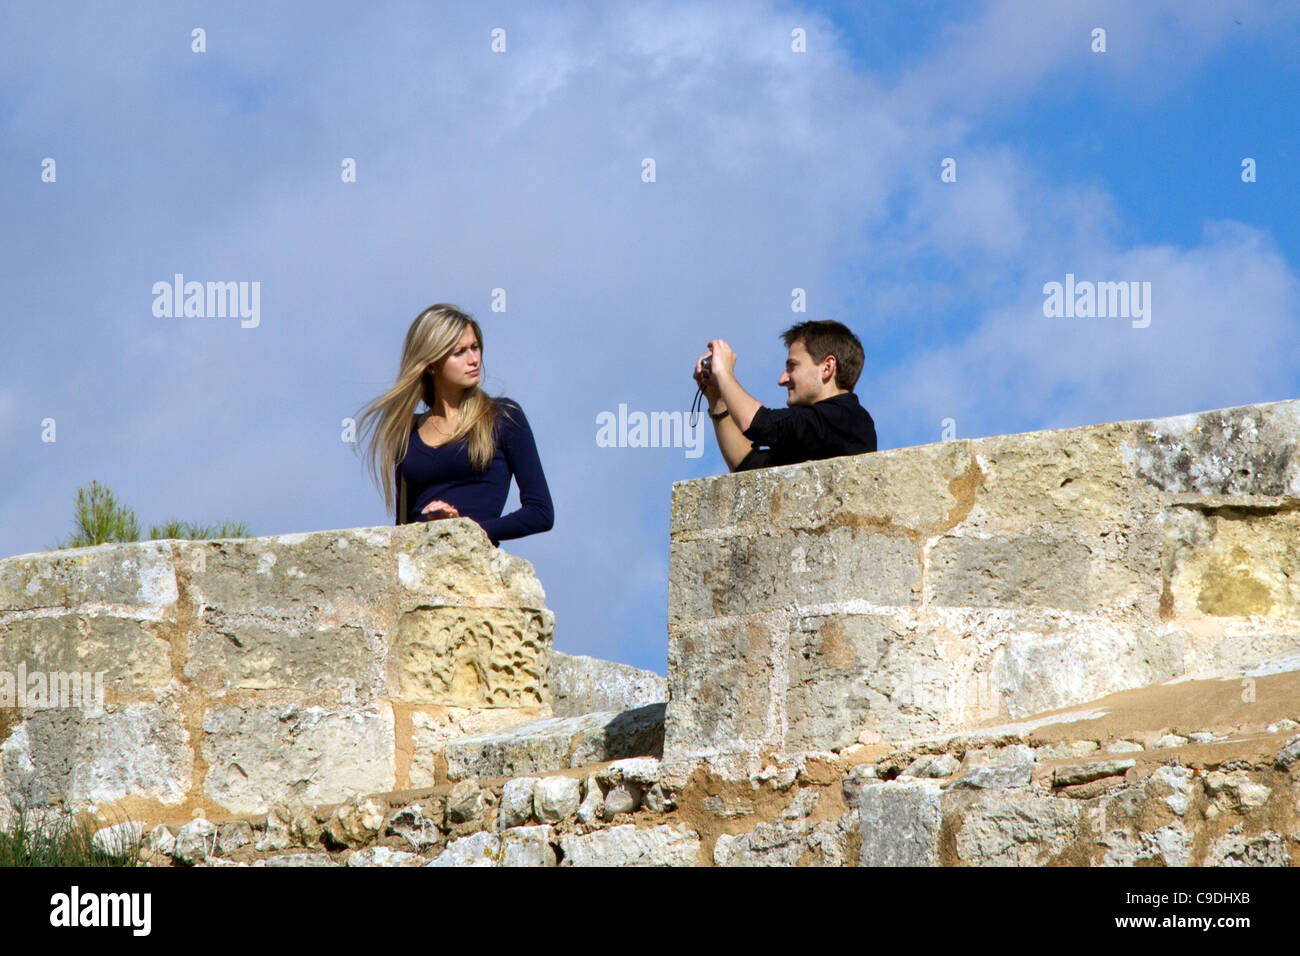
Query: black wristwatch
{"x": 720, "y": 416}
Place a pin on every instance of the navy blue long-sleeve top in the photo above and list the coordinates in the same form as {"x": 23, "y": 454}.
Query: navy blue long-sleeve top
{"x": 444, "y": 473}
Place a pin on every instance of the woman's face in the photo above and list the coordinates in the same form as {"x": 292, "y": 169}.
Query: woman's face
{"x": 461, "y": 368}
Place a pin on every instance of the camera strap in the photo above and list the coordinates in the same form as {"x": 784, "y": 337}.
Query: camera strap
{"x": 695, "y": 405}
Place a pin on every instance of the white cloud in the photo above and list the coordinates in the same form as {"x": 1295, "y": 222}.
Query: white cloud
{"x": 1224, "y": 326}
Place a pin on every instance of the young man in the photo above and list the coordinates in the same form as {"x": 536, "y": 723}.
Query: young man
{"x": 824, "y": 418}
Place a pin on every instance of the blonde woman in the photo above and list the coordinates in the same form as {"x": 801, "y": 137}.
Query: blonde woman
{"x": 456, "y": 459}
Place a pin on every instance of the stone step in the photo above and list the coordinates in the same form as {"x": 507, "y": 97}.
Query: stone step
{"x": 558, "y": 743}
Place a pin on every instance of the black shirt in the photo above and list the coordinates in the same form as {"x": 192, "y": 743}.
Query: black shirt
{"x": 835, "y": 426}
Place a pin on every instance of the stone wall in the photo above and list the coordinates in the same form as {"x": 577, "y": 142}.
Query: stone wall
{"x": 243, "y": 673}
{"x": 1203, "y": 773}
{"x": 584, "y": 685}
{"x": 926, "y": 590}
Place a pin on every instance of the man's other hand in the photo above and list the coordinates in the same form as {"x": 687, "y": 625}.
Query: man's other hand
{"x": 724, "y": 359}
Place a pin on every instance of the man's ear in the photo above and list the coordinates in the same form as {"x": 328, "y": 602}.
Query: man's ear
{"x": 828, "y": 368}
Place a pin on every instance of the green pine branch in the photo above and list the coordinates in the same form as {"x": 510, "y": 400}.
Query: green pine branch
{"x": 101, "y": 519}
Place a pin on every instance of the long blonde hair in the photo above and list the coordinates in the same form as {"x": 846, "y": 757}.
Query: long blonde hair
{"x": 430, "y": 339}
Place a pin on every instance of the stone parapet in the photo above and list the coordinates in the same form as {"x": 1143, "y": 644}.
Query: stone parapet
{"x": 925, "y": 590}
{"x": 229, "y": 676}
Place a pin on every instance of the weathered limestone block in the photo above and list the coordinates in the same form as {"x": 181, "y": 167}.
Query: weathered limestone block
{"x": 477, "y": 849}
{"x": 1173, "y": 785}
{"x": 196, "y": 841}
{"x": 411, "y": 823}
{"x": 276, "y": 836}
{"x": 1013, "y": 828}
{"x": 1289, "y": 755}
{"x": 516, "y": 846}
{"x": 527, "y": 846}
{"x": 288, "y": 575}
{"x": 788, "y": 844}
{"x": 910, "y": 488}
{"x": 384, "y": 856}
{"x": 587, "y": 685}
{"x": 296, "y": 826}
{"x": 234, "y": 835}
{"x": 997, "y": 756}
{"x": 593, "y": 801}
{"x": 627, "y": 846}
{"x": 720, "y": 677}
{"x": 161, "y": 840}
{"x": 1055, "y": 478}
{"x": 138, "y": 751}
{"x": 432, "y": 728}
{"x": 485, "y": 657}
{"x": 1235, "y": 791}
{"x": 1237, "y": 849}
{"x": 1011, "y": 570}
{"x": 623, "y": 797}
{"x": 1146, "y": 823}
{"x": 119, "y": 840}
{"x": 1165, "y": 846}
{"x": 130, "y": 653}
{"x": 987, "y": 778}
{"x": 555, "y": 799}
{"x": 1233, "y": 646}
{"x": 258, "y": 756}
{"x": 516, "y": 802}
{"x": 467, "y": 801}
{"x": 139, "y": 574}
{"x": 852, "y": 672}
{"x": 644, "y": 771}
{"x": 1249, "y": 450}
{"x": 899, "y": 824}
{"x": 1124, "y": 747}
{"x": 1234, "y": 561}
{"x": 1086, "y": 772}
{"x": 933, "y": 765}
{"x": 453, "y": 563}
{"x": 1066, "y": 750}
{"x": 342, "y": 664}
{"x": 1045, "y": 663}
{"x": 743, "y": 575}
{"x": 557, "y": 743}
{"x": 355, "y": 823}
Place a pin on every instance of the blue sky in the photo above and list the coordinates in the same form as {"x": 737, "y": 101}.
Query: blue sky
{"x": 521, "y": 170}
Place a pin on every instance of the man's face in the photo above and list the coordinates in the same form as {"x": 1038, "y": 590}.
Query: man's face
{"x": 802, "y": 379}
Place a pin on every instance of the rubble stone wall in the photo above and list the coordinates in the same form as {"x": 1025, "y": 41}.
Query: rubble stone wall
{"x": 1123, "y": 781}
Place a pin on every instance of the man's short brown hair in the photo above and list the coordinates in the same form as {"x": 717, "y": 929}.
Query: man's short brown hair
{"x": 827, "y": 337}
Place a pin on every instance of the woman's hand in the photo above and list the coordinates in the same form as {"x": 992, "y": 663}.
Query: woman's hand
{"x": 436, "y": 510}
